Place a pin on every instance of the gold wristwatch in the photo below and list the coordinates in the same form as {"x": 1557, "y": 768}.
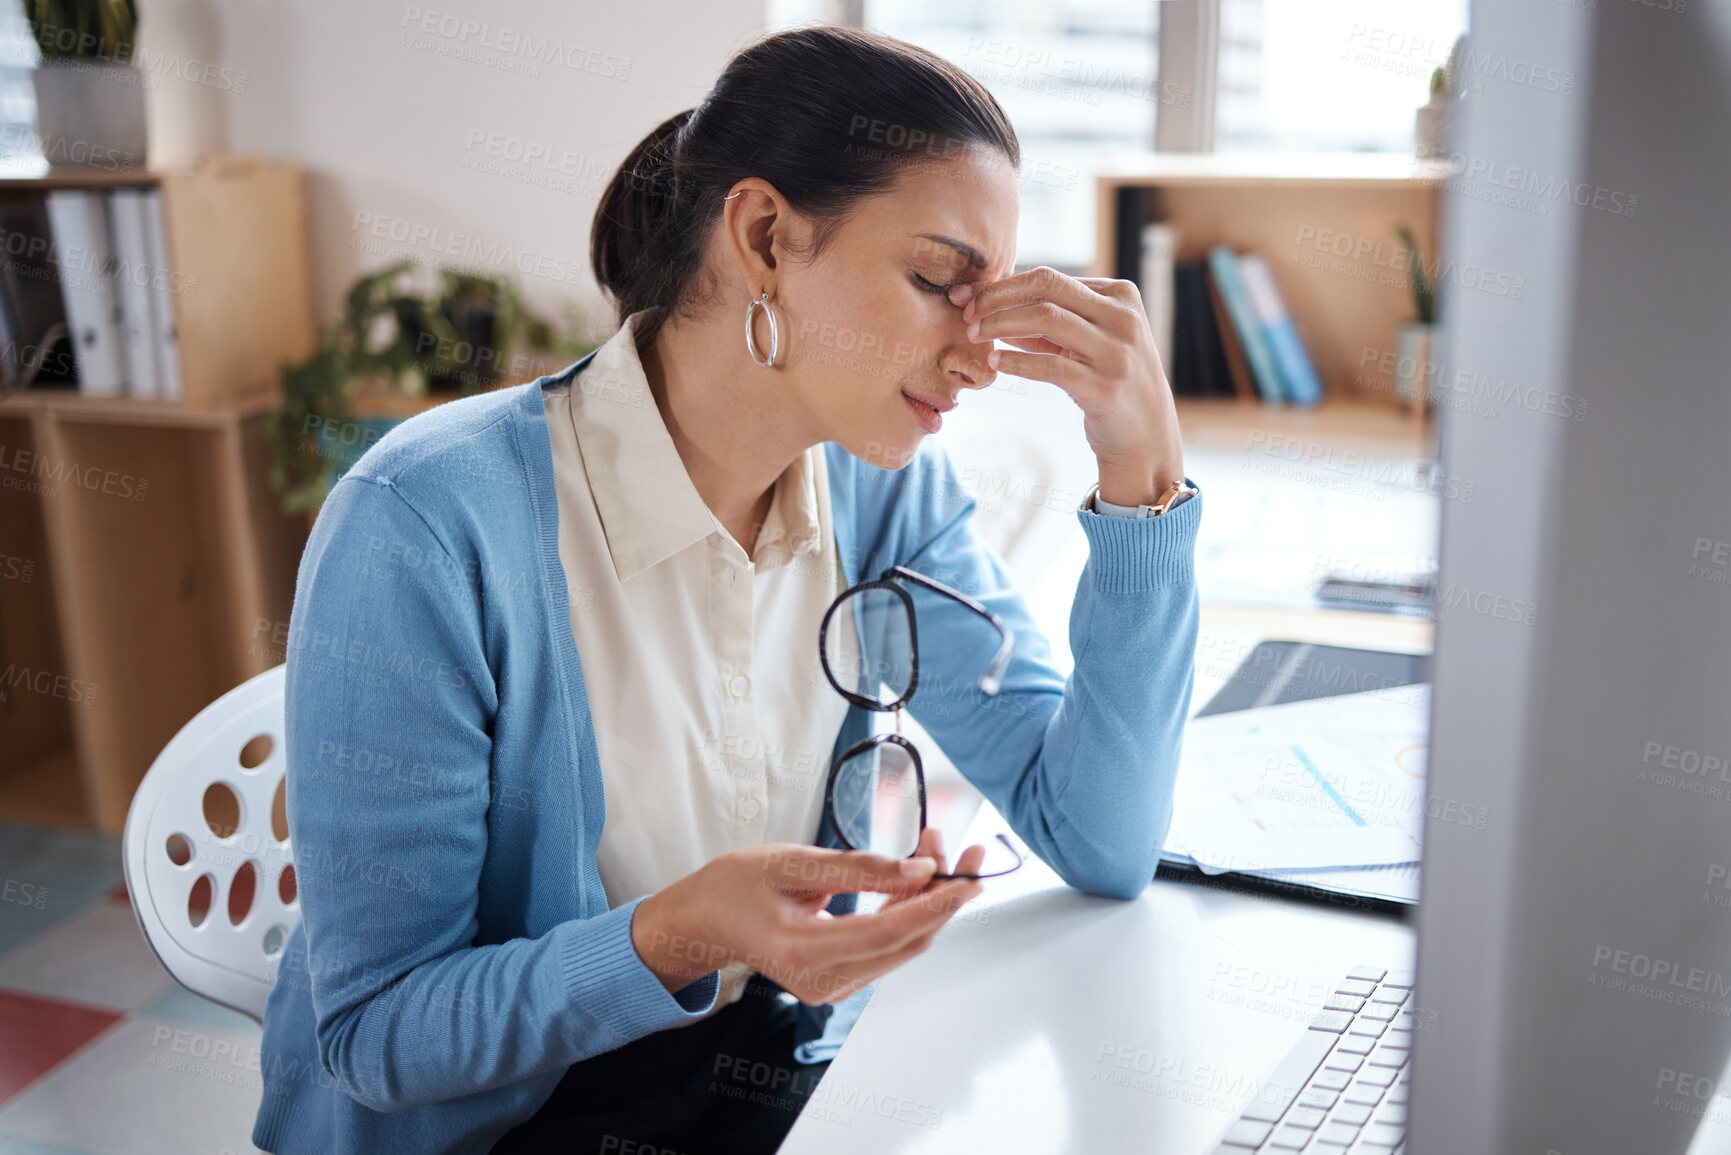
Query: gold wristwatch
{"x": 1174, "y": 494}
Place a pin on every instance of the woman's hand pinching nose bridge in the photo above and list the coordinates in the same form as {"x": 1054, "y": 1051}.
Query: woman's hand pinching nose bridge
{"x": 1090, "y": 337}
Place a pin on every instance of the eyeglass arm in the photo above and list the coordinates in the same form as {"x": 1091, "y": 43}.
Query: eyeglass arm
{"x": 1008, "y": 845}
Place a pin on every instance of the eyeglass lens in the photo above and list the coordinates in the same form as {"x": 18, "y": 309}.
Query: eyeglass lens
{"x": 869, "y": 645}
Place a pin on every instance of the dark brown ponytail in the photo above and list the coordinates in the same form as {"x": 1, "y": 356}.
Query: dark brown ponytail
{"x": 827, "y": 114}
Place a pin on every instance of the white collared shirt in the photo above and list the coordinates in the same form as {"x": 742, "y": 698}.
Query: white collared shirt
{"x": 713, "y": 719}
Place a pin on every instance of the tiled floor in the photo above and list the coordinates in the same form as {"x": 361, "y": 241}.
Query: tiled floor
{"x": 100, "y": 1051}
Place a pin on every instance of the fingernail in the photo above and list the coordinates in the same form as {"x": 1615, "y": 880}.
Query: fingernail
{"x": 992, "y": 358}
{"x": 974, "y": 331}
{"x": 915, "y": 867}
{"x": 961, "y": 292}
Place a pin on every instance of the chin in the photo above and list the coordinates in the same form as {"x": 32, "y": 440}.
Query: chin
{"x": 893, "y": 452}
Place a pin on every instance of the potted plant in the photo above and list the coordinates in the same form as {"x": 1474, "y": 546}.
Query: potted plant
{"x": 1412, "y": 362}
{"x": 394, "y": 351}
{"x": 89, "y": 97}
{"x": 1431, "y": 123}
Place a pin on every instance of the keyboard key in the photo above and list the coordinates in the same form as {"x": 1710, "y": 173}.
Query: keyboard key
{"x": 1386, "y": 1133}
{"x": 1339, "y": 1002}
{"x": 1291, "y": 1076}
{"x": 1322, "y": 1098}
{"x": 1380, "y": 1012}
{"x": 1397, "y": 1094}
{"x": 1353, "y": 1043}
{"x": 1337, "y": 1133}
{"x": 1332, "y": 1021}
{"x": 1289, "y": 1139}
{"x": 1391, "y": 995}
{"x": 1309, "y": 1118}
{"x": 1370, "y": 1028}
{"x": 1376, "y": 1076}
{"x": 1344, "y": 1060}
{"x": 1394, "y": 1113}
{"x": 1360, "y": 987}
{"x": 1403, "y": 1021}
{"x": 1354, "y": 1115}
{"x": 1367, "y": 974}
{"x": 1398, "y": 1038}
{"x": 1330, "y": 1079}
{"x": 1398, "y": 979}
{"x": 1387, "y": 1056}
{"x": 1362, "y": 1093}
{"x": 1247, "y": 1133}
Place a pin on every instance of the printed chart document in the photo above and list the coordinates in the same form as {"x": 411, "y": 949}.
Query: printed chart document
{"x": 1333, "y": 784}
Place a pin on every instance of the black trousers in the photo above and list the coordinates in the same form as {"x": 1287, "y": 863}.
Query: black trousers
{"x": 725, "y": 1085}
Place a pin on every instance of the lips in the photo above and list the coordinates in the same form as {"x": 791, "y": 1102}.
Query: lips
{"x": 929, "y": 409}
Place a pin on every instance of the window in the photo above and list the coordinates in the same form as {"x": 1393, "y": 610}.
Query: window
{"x": 20, "y": 147}
{"x": 1328, "y": 75}
{"x": 1076, "y": 77}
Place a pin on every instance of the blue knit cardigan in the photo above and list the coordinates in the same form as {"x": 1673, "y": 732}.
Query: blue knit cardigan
{"x": 456, "y": 952}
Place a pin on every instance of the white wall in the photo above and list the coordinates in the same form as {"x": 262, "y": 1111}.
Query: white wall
{"x": 385, "y": 128}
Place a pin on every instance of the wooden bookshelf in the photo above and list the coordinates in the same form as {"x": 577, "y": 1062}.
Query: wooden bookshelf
{"x": 144, "y": 561}
{"x": 1299, "y": 212}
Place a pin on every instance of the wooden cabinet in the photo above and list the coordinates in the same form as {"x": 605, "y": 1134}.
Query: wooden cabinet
{"x": 145, "y": 566}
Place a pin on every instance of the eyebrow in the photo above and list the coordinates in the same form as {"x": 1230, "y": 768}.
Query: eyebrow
{"x": 967, "y": 250}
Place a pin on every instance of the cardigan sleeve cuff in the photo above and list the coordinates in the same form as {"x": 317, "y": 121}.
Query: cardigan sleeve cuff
{"x": 1129, "y": 555}
{"x": 603, "y": 970}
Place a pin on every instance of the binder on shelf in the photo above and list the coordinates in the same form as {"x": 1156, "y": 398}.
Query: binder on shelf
{"x": 1223, "y": 263}
{"x": 166, "y": 336}
{"x": 1159, "y": 249}
{"x": 1297, "y": 375}
{"x": 132, "y": 280}
{"x": 79, "y": 221}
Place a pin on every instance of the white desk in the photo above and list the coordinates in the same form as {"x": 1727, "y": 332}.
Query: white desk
{"x": 1046, "y": 1021}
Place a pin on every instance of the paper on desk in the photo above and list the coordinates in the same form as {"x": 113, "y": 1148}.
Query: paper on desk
{"x": 1332, "y": 782}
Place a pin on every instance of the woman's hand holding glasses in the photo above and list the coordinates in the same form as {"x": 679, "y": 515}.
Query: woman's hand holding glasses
{"x": 764, "y": 906}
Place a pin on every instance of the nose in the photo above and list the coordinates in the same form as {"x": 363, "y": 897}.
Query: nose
{"x": 965, "y": 361}
{"x": 972, "y": 374}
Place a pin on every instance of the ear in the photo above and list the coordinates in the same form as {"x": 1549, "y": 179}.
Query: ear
{"x": 754, "y": 225}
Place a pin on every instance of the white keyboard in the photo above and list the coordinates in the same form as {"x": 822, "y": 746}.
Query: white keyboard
{"x": 1343, "y": 1088}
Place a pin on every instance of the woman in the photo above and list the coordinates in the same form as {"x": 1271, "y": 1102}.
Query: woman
{"x": 558, "y": 740}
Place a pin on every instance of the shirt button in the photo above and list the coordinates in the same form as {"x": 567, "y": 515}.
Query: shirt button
{"x": 740, "y": 686}
{"x": 749, "y": 809}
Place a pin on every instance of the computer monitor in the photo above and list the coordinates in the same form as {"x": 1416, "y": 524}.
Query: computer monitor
{"x": 1575, "y": 953}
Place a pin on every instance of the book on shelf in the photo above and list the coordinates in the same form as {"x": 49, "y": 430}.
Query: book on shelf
{"x": 35, "y": 342}
{"x": 1159, "y": 252}
{"x": 1297, "y": 375}
{"x": 79, "y": 222}
{"x": 1199, "y": 367}
{"x": 1224, "y": 264}
{"x": 1243, "y": 385}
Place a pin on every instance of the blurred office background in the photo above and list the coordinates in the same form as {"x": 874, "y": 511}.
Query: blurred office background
{"x": 296, "y": 149}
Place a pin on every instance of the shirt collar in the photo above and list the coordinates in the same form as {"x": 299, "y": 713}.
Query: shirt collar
{"x": 649, "y": 508}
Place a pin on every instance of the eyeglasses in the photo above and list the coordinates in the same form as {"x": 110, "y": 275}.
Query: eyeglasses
{"x": 875, "y": 798}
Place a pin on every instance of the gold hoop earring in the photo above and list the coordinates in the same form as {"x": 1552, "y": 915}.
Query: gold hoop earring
{"x": 774, "y": 336}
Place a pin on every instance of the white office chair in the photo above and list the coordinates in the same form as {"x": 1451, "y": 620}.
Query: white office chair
{"x": 208, "y": 863}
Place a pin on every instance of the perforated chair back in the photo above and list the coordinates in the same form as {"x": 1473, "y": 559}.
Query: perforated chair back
{"x": 208, "y": 861}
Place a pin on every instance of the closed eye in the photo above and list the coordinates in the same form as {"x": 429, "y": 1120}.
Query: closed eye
{"x": 929, "y": 287}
